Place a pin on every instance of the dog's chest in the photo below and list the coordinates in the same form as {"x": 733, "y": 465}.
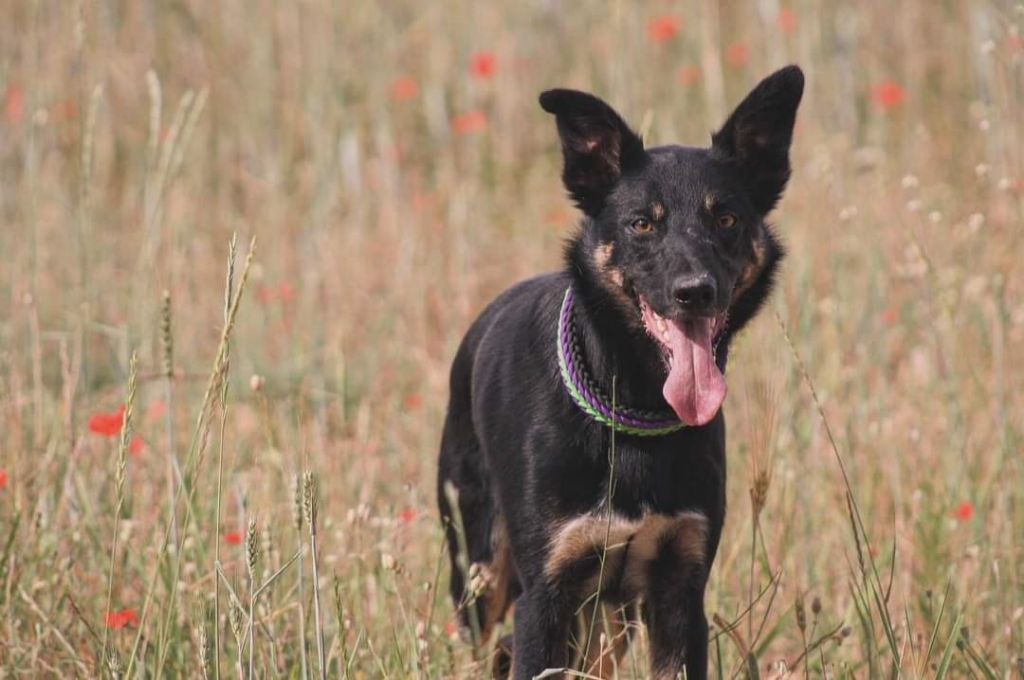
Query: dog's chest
{"x": 613, "y": 554}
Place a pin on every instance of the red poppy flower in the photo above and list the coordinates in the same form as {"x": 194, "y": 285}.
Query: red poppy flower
{"x": 558, "y": 218}
{"x": 286, "y": 293}
{"x": 888, "y": 95}
{"x": 689, "y": 75}
{"x": 107, "y": 424}
{"x": 3, "y": 479}
{"x": 483, "y": 65}
{"x": 264, "y": 295}
{"x": 450, "y": 629}
{"x": 965, "y": 511}
{"x": 65, "y": 110}
{"x": 737, "y": 54}
{"x": 233, "y": 538}
{"x": 156, "y": 410}
{"x": 137, "y": 446}
{"x": 404, "y": 88}
{"x": 14, "y": 106}
{"x": 413, "y": 402}
{"x": 121, "y": 619}
{"x": 407, "y": 516}
{"x": 663, "y": 28}
{"x": 890, "y": 316}
{"x": 470, "y": 123}
{"x": 787, "y": 21}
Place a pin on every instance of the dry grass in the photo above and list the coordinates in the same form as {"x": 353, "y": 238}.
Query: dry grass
{"x": 135, "y": 138}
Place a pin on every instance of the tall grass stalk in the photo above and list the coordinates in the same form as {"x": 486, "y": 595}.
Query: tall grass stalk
{"x": 198, "y": 437}
{"x": 859, "y": 531}
{"x": 297, "y": 515}
{"x": 167, "y": 361}
{"x": 228, "y": 295}
{"x": 310, "y": 509}
{"x": 120, "y": 474}
{"x": 609, "y": 495}
{"x": 252, "y": 552}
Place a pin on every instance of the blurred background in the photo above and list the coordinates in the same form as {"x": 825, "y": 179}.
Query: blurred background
{"x": 393, "y": 166}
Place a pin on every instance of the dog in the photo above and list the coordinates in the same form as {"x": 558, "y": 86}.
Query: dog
{"x": 583, "y": 453}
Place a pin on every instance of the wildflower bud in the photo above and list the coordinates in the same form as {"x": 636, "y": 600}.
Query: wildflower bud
{"x": 816, "y": 605}
{"x": 801, "y": 614}
{"x": 256, "y": 382}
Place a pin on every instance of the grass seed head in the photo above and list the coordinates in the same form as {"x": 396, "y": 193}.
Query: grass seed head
{"x": 252, "y": 548}
{"x": 297, "y": 511}
{"x": 235, "y": 615}
{"x": 309, "y": 500}
{"x": 166, "y": 336}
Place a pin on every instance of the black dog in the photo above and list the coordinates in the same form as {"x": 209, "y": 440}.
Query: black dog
{"x": 584, "y": 445}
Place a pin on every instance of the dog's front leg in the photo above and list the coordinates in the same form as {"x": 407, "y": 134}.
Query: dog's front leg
{"x": 542, "y": 622}
{"x": 677, "y": 625}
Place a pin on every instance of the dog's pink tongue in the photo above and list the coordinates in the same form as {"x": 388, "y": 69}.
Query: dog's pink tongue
{"x": 695, "y": 388}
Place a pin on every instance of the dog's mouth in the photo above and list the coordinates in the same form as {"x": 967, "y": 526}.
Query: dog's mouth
{"x": 694, "y": 387}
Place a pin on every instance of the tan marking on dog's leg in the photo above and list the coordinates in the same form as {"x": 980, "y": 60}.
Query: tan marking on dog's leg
{"x": 494, "y": 580}
{"x": 609, "y": 642}
{"x": 686, "y": 533}
{"x": 585, "y": 536}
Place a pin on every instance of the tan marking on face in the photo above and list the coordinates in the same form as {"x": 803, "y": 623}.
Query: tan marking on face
{"x": 710, "y": 202}
{"x": 588, "y": 536}
{"x": 657, "y": 211}
{"x": 753, "y": 268}
{"x": 610, "y": 274}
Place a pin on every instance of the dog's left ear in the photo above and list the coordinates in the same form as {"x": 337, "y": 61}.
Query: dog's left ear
{"x": 757, "y": 135}
{"x": 597, "y": 146}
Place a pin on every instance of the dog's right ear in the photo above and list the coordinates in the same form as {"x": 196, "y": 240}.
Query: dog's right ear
{"x": 597, "y": 145}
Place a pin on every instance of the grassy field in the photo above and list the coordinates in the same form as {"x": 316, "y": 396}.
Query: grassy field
{"x": 393, "y": 169}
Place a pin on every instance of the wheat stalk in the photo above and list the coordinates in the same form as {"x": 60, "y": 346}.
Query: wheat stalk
{"x": 120, "y": 474}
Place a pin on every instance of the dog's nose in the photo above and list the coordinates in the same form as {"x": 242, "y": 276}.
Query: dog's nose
{"x": 695, "y": 293}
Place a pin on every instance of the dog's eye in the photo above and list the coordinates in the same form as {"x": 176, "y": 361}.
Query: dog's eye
{"x": 642, "y": 225}
{"x": 726, "y": 221}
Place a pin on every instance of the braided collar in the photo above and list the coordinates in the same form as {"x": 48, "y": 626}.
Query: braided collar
{"x": 589, "y": 396}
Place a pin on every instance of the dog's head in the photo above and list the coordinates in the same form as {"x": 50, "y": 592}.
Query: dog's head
{"x": 676, "y": 235}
